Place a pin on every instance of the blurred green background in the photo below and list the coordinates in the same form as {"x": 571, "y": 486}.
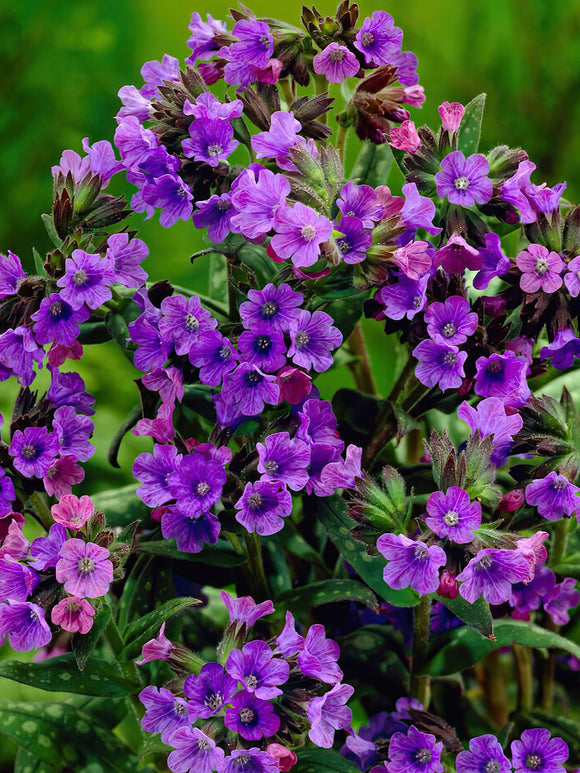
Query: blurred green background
{"x": 62, "y": 63}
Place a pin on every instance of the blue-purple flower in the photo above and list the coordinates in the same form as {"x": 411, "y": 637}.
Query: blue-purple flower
{"x": 503, "y": 376}
{"x": 209, "y": 691}
{"x": 210, "y": 140}
{"x": 164, "y": 712}
{"x": 251, "y": 717}
{"x": 248, "y": 388}
{"x": 194, "y": 751}
{"x": 258, "y": 670}
{"x": 464, "y": 181}
{"x": 57, "y": 321}
{"x": 299, "y": 233}
{"x": 24, "y": 624}
{"x": 378, "y": 39}
{"x": 263, "y": 347}
{"x": 329, "y": 713}
{"x": 354, "y": 240}
{"x": 537, "y": 751}
{"x": 554, "y": 496}
{"x": 439, "y": 365}
{"x": 491, "y": 574}
{"x": 284, "y": 459}
{"x": 453, "y": 515}
{"x": 336, "y": 62}
{"x": 451, "y": 322}
{"x": 263, "y": 507}
{"x": 415, "y": 752}
{"x": 410, "y": 563}
{"x": 197, "y": 484}
{"x": 256, "y": 199}
{"x": 215, "y": 214}
{"x": 33, "y": 450}
{"x": 87, "y": 280}
{"x": 313, "y": 337}
{"x": 214, "y": 354}
{"x": 273, "y": 306}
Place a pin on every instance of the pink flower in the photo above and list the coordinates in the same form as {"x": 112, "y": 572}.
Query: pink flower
{"x": 451, "y": 115}
{"x": 84, "y": 568}
{"x": 73, "y": 614}
{"x": 73, "y": 512}
{"x": 61, "y": 475}
{"x": 540, "y": 269}
{"x": 295, "y": 385}
{"x": 405, "y": 137}
{"x": 413, "y": 259}
{"x": 156, "y": 649}
{"x": 285, "y": 758}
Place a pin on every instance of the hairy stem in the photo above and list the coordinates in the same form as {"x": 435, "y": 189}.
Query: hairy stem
{"x": 341, "y": 141}
{"x": 420, "y": 683}
{"x": 287, "y": 91}
{"x": 255, "y": 568}
{"x": 559, "y": 541}
{"x": 523, "y": 664}
{"x": 361, "y": 369}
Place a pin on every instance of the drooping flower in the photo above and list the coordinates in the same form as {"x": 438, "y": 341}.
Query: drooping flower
{"x": 127, "y": 256}
{"x": 336, "y": 62}
{"x": 190, "y": 532}
{"x": 313, "y": 337}
{"x": 493, "y": 261}
{"x": 453, "y": 515}
{"x": 263, "y": 507}
{"x": 491, "y": 574}
{"x": 537, "y": 751}
{"x": 259, "y": 672}
{"x": 464, "y": 181}
{"x": 439, "y": 364}
{"x": 156, "y": 649}
{"x": 329, "y": 713}
{"x": 319, "y": 655}
{"x": 84, "y": 568}
{"x": 415, "y": 752}
{"x": 19, "y": 353}
{"x": 171, "y": 194}
{"x": 414, "y": 259}
{"x": 46, "y": 550}
{"x": 378, "y": 39}
{"x": 410, "y": 563}
{"x": 11, "y": 274}
{"x": 285, "y": 758}
{"x": 540, "y": 269}
{"x": 562, "y": 598}
{"x": 251, "y": 717}
{"x": 418, "y": 211}
{"x": 554, "y": 496}
{"x": 456, "y": 255}
{"x": 73, "y": 614}
{"x": 490, "y": 418}
{"x": 201, "y": 41}
{"x": 17, "y": 581}
{"x": 451, "y": 322}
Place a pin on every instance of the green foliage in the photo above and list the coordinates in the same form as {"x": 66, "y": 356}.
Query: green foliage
{"x": 470, "y": 131}
{"x": 322, "y": 761}
{"x": 327, "y": 592}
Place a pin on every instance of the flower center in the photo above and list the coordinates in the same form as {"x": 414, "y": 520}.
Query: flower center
{"x": 308, "y": 232}
{"x": 251, "y": 681}
{"x": 214, "y": 150}
{"x": 485, "y": 562}
{"x": 337, "y": 55}
{"x": 223, "y": 205}
{"x": 451, "y": 518}
{"x": 302, "y": 338}
{"x": 247, "y": 715}
{"x": 450, "y": 358}
{"x": 179, "y": 709}
{"x": 80, "y": 277}
{"x": 492, "y": 766}
{"x": 449, "y": 329}
{"x": 202, "y": 489}
{"x": 421, "y": 552}
{"x": 271, "y": 467}
{"x": 28, "y": 451}
{"x": 560, "y": 484}
{"x": 461, "y": 183}
{"x": 72, "y": 607}
{"x": 495, "y": 367}
{"x": 86, "y": 565}
{"x": 203, "y": 745}
{"x": 214, "y": 701}
{"x": 243, "y": 759}
{"x": 255, "y": 499}
{"x": 190, "y": 322}
{"x": 55, "y": 309}
{"x": 343, "y": 246}
{"x": 534, "y": 761}
{"x": 264, "y": 40}
{"x": 423, "y": 755}
{"x": 542, "y": 266}
{"x": 416, "y": 301}
{"x": 367, "y": 39}
{"x": 269, "y": 309}
{"x": 263, "y": 343}
{"x": 253, "y": 378}
{"x": 224, "y": 352}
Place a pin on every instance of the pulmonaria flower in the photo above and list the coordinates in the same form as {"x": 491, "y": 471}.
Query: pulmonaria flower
{"x": 537, "y": 751}
{"x": 251, "y": 717}
{"x": 451, "y": 115}
{"x": 410, "y": 563}
{"x": 563, "y": 349}
{"x": 464, "y": 181}
{"x": 526, "y": 596}
{"x": 160, "y": 428}
{"x": 210, "y": 690}
{"x": 208, "y": 106}
{"x": 191, "y": 532}
{"x": 354, "y": 240}
{"x": 263, "y": 507}
{"x": 451, "y": 322}
{"x": 485, "y": 754}
{"x": 572, "y": 277}
{"x": 439, "y": 364}
{"x": 313, "y": 337}
{"x": 33, "y": 451}
{"x": 73, "y": 512}
{"x": 11, "y": 274}
{"x": 171, "y": 194}
{"x": 156, "y": 649}
{"x": 256, "y": 199}
{"x": 285, "y": 758}
{"x": 491, "y": 574}
{"x": 24, "y": 624}
{"x": 360, "y": 201}
{"x": 249, "y": 761}
{"x": 493, "y": 262}
{"x": 127, "y": 255}
{"x": 182, "y": 320}
{"x": 244, "y": 610}
{"x": 210, "y": 140}
{"x": 87, "y": 280}
{"x": 46, "y": 550}
{"x": 152, "y": 470}
{"x": 281, "y": 136}
{"x": 284, "y": 460}
{"x": 7, "y": 494}
{"x": 248, "y": 389}
{"x": 554, "y": 496}
{"x": 299, "y": 233}
{"x": 329, "y": 713}
{"x": 336, "y": 62}
{"x": 62, "y": 474}
{"x": 214, "y": 354}
{"x": 197, "y": 483}
{"x": 415, "y": 752}
{"x": 255, "y": 42}
{"x": 503, "y": 376}
{"x": 457, "y": 255}
{"x": 73, "y": 614}
{"x": 405, "y": 137}
{"x": 414, "y": 259}
{"x": 164, "y": 712}
{"x": 258, "y": 670}
{"x": 540, "y": 269}
{"x": 406, "y": 298}
{"x": 418, "y": 211}
{"x": 193, "y": 751}
{"x": 378, "y": 39}
{"x": 17, "y": 581}
{"x": 202, "y": 40}
{"x": 263, "y": 347}
{"x": 491, "y": 419}
{"x": 215, "y": 214}
{"x": 318, "y": 656}
{"x": 19, "y": 352}
{"x": 295, "y": 385}
{"x": 560, "y": 599}
{"x": 56, "y": 321}
{"x": 84, "y": 568}
{"x": 453, "y": 515}
{"x": 275, "y": 307}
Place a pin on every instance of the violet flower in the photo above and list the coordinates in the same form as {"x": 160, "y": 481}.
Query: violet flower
{"x": 57, "y": 321}
{"x": 263, "y": 507}
{"x": 214, "y": 354}
{"x": 451, "y": 322}
{"x": 24, "y": 624}
{"x": 452, "y": 515}
{"x": 354, "y": 240}
{"x": 378, "y": 39}
{"x": 249, "y": 761}
{"x": 540, "y": 269}
{"x": 244, "y": 610}
{"x": 33, "y": 451}
{"x": 210, "y": 690}
{"x": 87, "y": 280}
{"x": 190, "y": 532}
{"x": 284, "y": 460}
{"x": 273, "y": 306}
{"x": 210, "y": 140}
{"x": 406, "y": 298}
{"x": 248, "y": 389}
{"x": 563, "y": 349}
{"x": 411, "y": 563}
{"x": 84, "y": 568}
{"x": 329, "y": 713}
{"x": 360, "y": 201}
{"x": 299, "y": 233}
{"x": 503, "y": 376}
{"x": 415, "y": 752}
{"x": 259, "y": 672}
{"x": 313, "y": 337}
{"x": 554, "y": 496}
{"x": 537, "y": 751}
{"x": 336, "y": 62}
{"x": 491, "y": 574}
{"x": 464, "y": 181}
{"x": 197, "y": 483}
{"x": 318, "y": 656}
{"x": 215, "y": 214}
{"x": 164, "y": 712}
{"x": 256, "y": 199}
{"x": 439, "y": 365}
{"x": 263, "y": 347}
{"x": 193, "y": 751}
{"x": 251, "y": 717}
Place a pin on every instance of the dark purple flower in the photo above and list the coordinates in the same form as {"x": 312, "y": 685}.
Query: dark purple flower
{"x": 318, "y": 656}
{"x": 560, "y": 599}
{"x": 263, "y": 506}
{"x": 284, "y": 460}
{"x": 17, "y": 582}
{"x": 453, "y": 515}
{"x": 11, "y": 274}
{"x": 214, "y": 354}
{"x": 127, "y": 256}
{"x": 251, "y": 717}
{"x": 25, "y": 625}
{"x": 273, "y": 306}
{"x": 202, "y": 40}
{"x": 572, "y": 277}
{"x": 195, "y": 751}
{"x": 451, "y": 322}
{"x": 526, "y": 596}
{"x": 191, "y": 533}
{"x": 360, "y": 752}
{"x": 182, "y": 320}
{"x": 258, "y": 670}
{"x": 197, "y": 483}
{"x": 415, "y": 752}
{"x": 313, "y": 337}
{"x": 33, "y": 451}
{"x": 248, "y": 389}
{"x": 439, "y": 364}
{"x": 360, "y": 201}
{"x": 295, "y": 385}
{"x": 172, "y": 195}
{"x": 164, "y": 712}
{"x": 84, "y": 568}
{"x": 299, "y": 233}
{"x": 378, "y": 39}
{"x": 244, "y": 610}
{"x": 540, "y": 269}
{"x": 328, "y": 713}
{"x": 153, "y": 471}
{"x": 255, "y": 42}
{"x": 457, "y": 255}
{"x": 563, "y": 349}
{"x": 410, "y": 563}
{"x": 56, "y": 321}
{"x": 405, "y": 298}
{"x": 318, "y": 424}
{"x": 418, "y": 211}
{"x": 336, "y": 62}
{"x": 491, "y": 574}
{"x": 19, "y": 352}
{"x": 503, "y": 376}
{"x": 69, "y": 389}
{"x": 211, "y": 140}
{"x": 7, "y": 493}
{"x": 46, "y": 550}
{"x": 537, "y": 751}
{"x": 249, "y": 761}
{"x": 263, "y": 347}
{"x": 209, "y": 691}
{"x": 354, "y": 240}
{"x": 554, "y": 496}
{"x": 215, "y": 214}
{"x": 463, "y": 180}
{"x": 256, "y": 199}
{"x": 493, "y": 261}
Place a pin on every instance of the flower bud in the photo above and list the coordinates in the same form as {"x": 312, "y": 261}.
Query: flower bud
{"x": 285, "y": 758}
{"x": 451, "y": 115}
{"x": 448, "y": 588}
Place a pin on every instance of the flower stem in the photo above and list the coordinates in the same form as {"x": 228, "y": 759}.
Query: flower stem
{"x": 559, "y": 541}
{"x": 287, "y": 91}
{"x": 320, "y": 87}
{"x": 548, "y": 671}
{"x": 421, "y": 683}
{"x": 400, "y": 383}
{"x": 41, "y": 509}
{"x": 341, "y": 141}
{"x": 523, "y": 663}
{"x": 255, "y": 567}
{"x": 492, "y": 679}
{"x": 361, "y": 369}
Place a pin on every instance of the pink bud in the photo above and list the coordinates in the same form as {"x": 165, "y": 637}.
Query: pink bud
{"x": 405, "y": 137}
{"x": 511, "y": 501}
{"x": 295, "y": 385}
{"x": 414, "y": 96}
{"x": 451, "y": 114}
{"x": 448, "y": 588}
{"x": 285, "y": 758}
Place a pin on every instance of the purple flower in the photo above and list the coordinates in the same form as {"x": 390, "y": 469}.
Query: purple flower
{"x": 341, "y": 473}
{"x": 451, "y": 322}
{"x": 336, "y": 62}
{"x": 354, "y": 240}
{"x": 248, "y": 389}
{"x": 102, "y": 159}
{"x": 46, "y": 550}
{"x": 152, "y": 349}
{"x": 87, "y": 280}
{"x": 197, "y": 483}
{"x": 540, "y": 269}
{"x": 208, "y": 106}
{"x": 251, "y": 717}
{"x": 153, "y": 471}
{"x": 244, "y": 610}
{"x": 491, "y": 574}
{"x": 537, "y": 751}
{"x": 182, "y": 319}
{"x": 526, "y": 596}
{"x": 273, "y": 306}
{"x": 490, "y": 418}
{"x": 457, "y": 255}
{"x": 318, "y": 656}
{"x": 378, "y": 39}
{"x": 299, "y": 233}
{"x": 360, "y": 201}
{"x": 284, "y": 460}
{"x": 406, "y": 64}
{"x": 215, "y": 214}
{"x": 255, "y": 42}
{"x": 503, "y": 376}
{"x": 418, "y": 211}
{"x": 202, "y": 40}
{"x": 563, "y": 349}
{"x": 17, "y": 582}
{"x": 405, "y": 298}
{"x": 191, "y": 533}
{"x": 18, "y": 354}
{"x": 329, "y": 713}
{"x": 127, "y": 256}
{"x": 572, "y": 277}
{"x": 211, "y": 140}
{"x": 263, "y": 506}
{"x": 439, "y": 364}
{"x": 159, "y": 648}
{"x": 263, "y": 347}
{"x": 313, "y": 337}
{"x": 464, "y": 181}
{"x": 69, "y": 389}
{"x": 33, "y": 451}
{"x": 249, "y": 761}
{"x": 214, "y": 354}
{"x": 194, "y": 751}
{"x": 282, "y": 135}
{"x": 513, "y": 191}
{"x": 561, "y": 598}
{"x": 256, "y": 199}
{"x": 415, "y": 752}
{"x": 410, "y": 563}
{"x": 453, "y": 515}
{"x": 164, "y": 712}
{"x": 289, "y": 642}
{"x": 135, "y": 143}
{"x": 172, "y": 195}
{"x": 209, "y": 691}
{"x": 259, "y": 672}
{"x": 11, "y": 274}
{"x": 56, "y": 321}
{"x": 414, "y": 259}
{"x": 7, "y": 494}
{"x": 167, "y": 381}
{"x": 25, "y": 625}
{"x": 544, "y": 199}
{"x": 493, "y": 261}
{"x": 554, "y": 496}
{"x": 318, "y": 424}
{"x": 84, "y": 568}
{"x": 155, "y": 72}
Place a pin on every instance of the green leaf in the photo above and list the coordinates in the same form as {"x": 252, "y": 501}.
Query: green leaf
{"x": 470, "y": 130}
{"x": 147, "y": 627}
{"x": 322, "y": 761}
{"x": 331, "y": 512}
{"x": 221, "y": 554}
{"x": 565, "y": 727}
{"x": 373, "y": 164}
{"x": 346, "y": 315}
{"x": 477, "y": 615}
{"x": 121, "y": 506}
{"x": 93, "y": 333}
{"x": 522, "y": 632}
{"x": 38, "y": 262}
{"x": 254, "y": 256}
{"x": 149, "y": 584}
{"x": 199, "y": 398}
{"x": 571, "y": 569}
{"x": 218, "y": 277}
{"x": 26, "y": 762}
{"x": 60, "y": 674}
{"x": 327, "y": 592}
{"x": 84, "y": 643}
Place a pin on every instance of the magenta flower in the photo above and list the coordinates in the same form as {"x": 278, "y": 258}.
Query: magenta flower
{"x": 362, "y": 202}
{"x": 295, "y": 385}
{"x": 244, "y": 610}
{"x": 491, "y": 574}
{"x": 410, "y": 563}
{"x": 453, "y": 515}
{"x": 451, "y": 322}
{"x": 378, "y": 39}
{"x": 336, "y": 62}
{"x": 263, "y": 507}
{"x": 156, "y": 649}
{"x": 73, "y": 512}
{"x": 457, "y": 255}
{"x": 464, "y": 181}
{"x": 537, "y": 751}
{"x": 439, "y": 365}
{"x": 313, "y": 337}
{"x": 451, "y": 115}
{"x": 251, "y": 717}
{"x": 62, "y": 474}
{"x": 554, "y": 496}
{"x": 299, "y": 233}
{"x": 329, "y": 713}
{"x": 33, "y": 451}
{"x": 259, "y": 672}
{"x": 284, "y": 460}
{"x": 73, "y": 614}
{"x": 540, "y": 269}
{"x": 87, "y": 280}
{"x": 193, "y": 751}
{"x": 84, "y": 568}
{"x": 405, "y": 137}
{"x": 415, "y": 752}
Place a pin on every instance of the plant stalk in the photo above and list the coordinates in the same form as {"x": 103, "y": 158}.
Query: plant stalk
{"x": 341, "y": 136}
{"x": 255, "y": 568}
{"x": 421, "y": 683}
{"x": 361, "y": 370}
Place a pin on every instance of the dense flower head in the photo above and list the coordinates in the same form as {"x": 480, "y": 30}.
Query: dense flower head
{"x": 411, "y": 563}
{"x": 453, "y": 515}
{"x": 464, "y": 181}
